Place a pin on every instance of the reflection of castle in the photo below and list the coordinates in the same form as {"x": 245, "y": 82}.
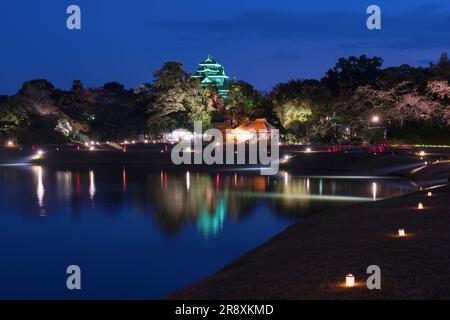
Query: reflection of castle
{"x": 212, "y": 73}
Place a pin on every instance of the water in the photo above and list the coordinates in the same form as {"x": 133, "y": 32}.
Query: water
{"x": 141, "y": 234}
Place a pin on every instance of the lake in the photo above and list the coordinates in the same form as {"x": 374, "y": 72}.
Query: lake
{"x": 140, "y": 233}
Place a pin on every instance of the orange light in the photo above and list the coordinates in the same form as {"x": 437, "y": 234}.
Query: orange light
{"x": 401, "y": 232}
{"x": 430, "y": 193}
{"x": 350, "y": 280}
{"x": 420, "y": 206}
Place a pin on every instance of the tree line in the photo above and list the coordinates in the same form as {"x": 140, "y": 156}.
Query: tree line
{"x": 411, "y": 102}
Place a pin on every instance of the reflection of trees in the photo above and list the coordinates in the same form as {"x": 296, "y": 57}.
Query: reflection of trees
{"x": 174, "y": 204}
{"x": 176, "y": 199}
{"x": 203, "y": 202}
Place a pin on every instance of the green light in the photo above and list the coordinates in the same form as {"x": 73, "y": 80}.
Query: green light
{"x": 211, "y": 72}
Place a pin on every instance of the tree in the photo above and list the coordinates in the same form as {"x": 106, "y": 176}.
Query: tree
{"x": 243, "y": 100}
{"x": 300, "y": 104}
{"x": 177, "y": 100}
{"x": 350, "y": 73}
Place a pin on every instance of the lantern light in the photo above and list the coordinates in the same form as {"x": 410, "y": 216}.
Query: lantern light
{"x": 10, "y": 143}
{"x": 420, "y": 206}
{"x": 401, "y": 232}
{"x": 422, "y": 153}
{"x": 350, "y": 280}
{"x": 430, "y": 193}
{"x": 38, "y": 155}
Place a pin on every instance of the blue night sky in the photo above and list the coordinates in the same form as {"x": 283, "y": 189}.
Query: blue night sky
{"x": 263, "y": 41}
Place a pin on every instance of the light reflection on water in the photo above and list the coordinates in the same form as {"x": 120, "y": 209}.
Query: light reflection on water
{"x": 207, "y": 199}
{"x": 146, "y": 224}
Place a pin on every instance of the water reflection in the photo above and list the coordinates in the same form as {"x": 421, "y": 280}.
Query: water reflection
{"x": 145, "y": 222}
{"x": 40, "y": 190}
{"x": 374, "y": 191}
{"x": 206, "y": 200}
{"x": 91, "y": 185}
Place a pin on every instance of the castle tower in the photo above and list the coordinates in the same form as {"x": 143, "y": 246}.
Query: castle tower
{"x": 211, "y": 72}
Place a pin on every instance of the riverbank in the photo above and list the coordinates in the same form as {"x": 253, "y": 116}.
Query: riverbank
{"x": 310, "y": 259}
{"x": 159, "y": 155}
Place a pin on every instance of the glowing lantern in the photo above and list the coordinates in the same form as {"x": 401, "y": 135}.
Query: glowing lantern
{"x": 38, "y": 155}
{"x": 420, "y": 206}
{"x": 350, "y": 280}
{"x": 430, "y": 193}
{"x": 401, "y": 232}
{"x": 10, "y": 144}
{"x": 422, "y": 153}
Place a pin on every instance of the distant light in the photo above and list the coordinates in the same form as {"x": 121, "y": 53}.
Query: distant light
{"x": 420, "y": 206}
{"x": 91, "y": 148}
{"x": 145, "y": 141}
{"x": 350, "y": 280}
{"x": 86, "y": 144}
{"x": 133, "y": 142}
{"x": 430, "y": 193}
{"x": 308, "y": 150}
{"x": 217, "y": 144}
{"x": 126, "y": 142}
{"x": 375, "y": 119}
{"x": 401, "y": 232}
{"x": 10, "y": 143}
{"x": 286, "y": 157}
{"x": 38, "y": 155}
{"x": 92, "y": 143}
{"x": 422, "y": 153}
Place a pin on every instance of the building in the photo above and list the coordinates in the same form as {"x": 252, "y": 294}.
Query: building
{"x": 212, "y": 73}
{"x": 248, "y": 129}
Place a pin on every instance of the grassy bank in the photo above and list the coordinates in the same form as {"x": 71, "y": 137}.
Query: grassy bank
{"x": 310, "y": 259}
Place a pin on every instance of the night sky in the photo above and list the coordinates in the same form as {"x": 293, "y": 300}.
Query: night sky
{"x": 262, "y": 41}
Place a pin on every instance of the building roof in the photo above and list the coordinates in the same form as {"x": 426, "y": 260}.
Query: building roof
{"x": 208, "y": 61}
{"x": 258, "y": 124}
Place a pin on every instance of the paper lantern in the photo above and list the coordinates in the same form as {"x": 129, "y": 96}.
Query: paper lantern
{"x": 350, "y": 280}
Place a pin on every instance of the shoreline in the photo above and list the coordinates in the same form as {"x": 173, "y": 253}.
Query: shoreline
{"x": 295, "y": 263}
{"x": 309, "y": 259}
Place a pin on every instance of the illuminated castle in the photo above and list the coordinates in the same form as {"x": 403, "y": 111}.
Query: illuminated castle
{"x": 212, "y": 73}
